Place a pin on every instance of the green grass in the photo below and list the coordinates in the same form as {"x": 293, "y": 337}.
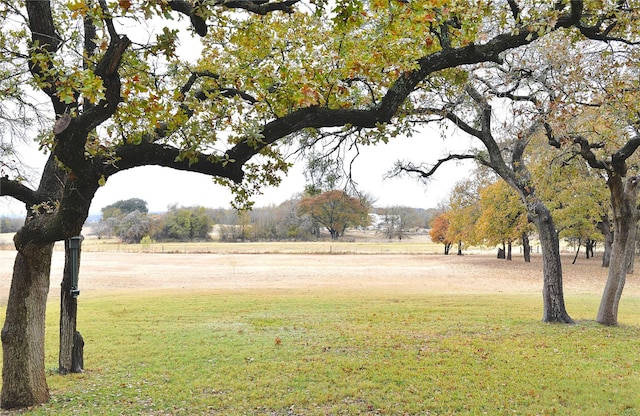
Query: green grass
{"x": 304, "y": 353}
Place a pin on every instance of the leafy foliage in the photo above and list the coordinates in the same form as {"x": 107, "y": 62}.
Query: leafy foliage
{"x": 439, "y": 231}
{"x": 184, "y": 224}
{"x": 336, "y": 211}
{"x": 124, "y": 207}
{"x": 503, "y": 216}
{"x": 132, "y": 227}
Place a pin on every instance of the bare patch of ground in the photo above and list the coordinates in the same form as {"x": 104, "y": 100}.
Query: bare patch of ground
{"x": 103, "y": 272}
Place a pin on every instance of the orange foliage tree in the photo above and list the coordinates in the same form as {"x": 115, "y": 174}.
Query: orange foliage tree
{"x": 335, "y": 210}
{"x": 439, "y": 230}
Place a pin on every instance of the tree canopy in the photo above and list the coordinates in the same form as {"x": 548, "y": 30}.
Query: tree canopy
{"x": 336, "y": 211}
{"x": 124, "y": 207}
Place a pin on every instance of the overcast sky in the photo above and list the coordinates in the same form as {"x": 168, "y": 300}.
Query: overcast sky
{"x": 160, "y": 187}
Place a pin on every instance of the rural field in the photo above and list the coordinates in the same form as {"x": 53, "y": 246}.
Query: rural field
{"x": 336, "y": 329}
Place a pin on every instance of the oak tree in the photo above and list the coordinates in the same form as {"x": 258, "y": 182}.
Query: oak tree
{"x": 336, "y": 211}
{"x": 464, "y": 211}
{"x": 504, "y": 141}
{"x": 502, "y": 219}
{"x": 439, "y": 231}
{"x": 184, "y": 224}
{"x": 119, "y": 99}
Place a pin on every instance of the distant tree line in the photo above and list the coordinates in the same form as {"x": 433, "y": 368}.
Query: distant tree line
{"x": 10, "y": 225}
{"x": 326, "y": 215}
{"x": 130, "y": 221}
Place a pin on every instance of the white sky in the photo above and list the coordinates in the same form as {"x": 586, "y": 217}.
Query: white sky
{"x": 160, "y": 187}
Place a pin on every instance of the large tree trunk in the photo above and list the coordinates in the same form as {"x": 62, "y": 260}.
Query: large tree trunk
{"x": 23, "y": 371}
{"x": 552, "y": 291}
{"x": 625, "y": 217}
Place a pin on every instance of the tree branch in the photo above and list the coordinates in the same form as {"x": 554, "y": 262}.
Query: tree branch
{"x": 515, "y": 10}
{"x": 108, "y": 21}
{"x": 588, "y": 155}
{"x": 17, "y": 190}
{"x": 145, "y": 153}
{"x": 619, "y": 158}
{"x": 323, "y": 117}
{"x": 261, "y": 7}
{"x": 185, "y": 7}
{"x": 44, "y": 38}
{"x": 425, "y": 172}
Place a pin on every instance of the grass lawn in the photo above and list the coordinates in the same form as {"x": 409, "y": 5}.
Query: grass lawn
{"x": 331, "y": 352}
{"x": 242, "y": 333}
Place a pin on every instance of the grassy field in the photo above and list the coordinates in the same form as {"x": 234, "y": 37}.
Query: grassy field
{"x": 389, "y": 334}
{"x": 328, "y": 353}
{"x": 418, "y": 244}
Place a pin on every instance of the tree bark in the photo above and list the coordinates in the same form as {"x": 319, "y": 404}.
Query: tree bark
{"x": 552, "y": 291}
{"x": 578, "y": 251}
{"x": 605, "y": 228}
{"x": 630, "y": 256}
{"x": 502, "y": 252}
{"x": 526, "y": 248}
{"x": 509, "y": 250}
{"x": 23, "y": 371}
{"x": 589, "y": 245}
{"x": 625, "y": 217}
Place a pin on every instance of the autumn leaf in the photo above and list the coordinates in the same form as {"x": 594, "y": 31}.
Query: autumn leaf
{"x": 124, "y": 4}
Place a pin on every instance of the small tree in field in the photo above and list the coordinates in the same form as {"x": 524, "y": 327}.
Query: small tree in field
{"x": 125, "y": 218}
{"x": 184, "y": 224}
{"x": 335, "y": 210}
{"x": 503, "y": 219}
{"x": 464, "y": 210}
{"x": 439, "y": 231}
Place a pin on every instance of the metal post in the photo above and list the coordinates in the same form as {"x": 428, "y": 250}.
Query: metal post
{"x": 74, "y": 247}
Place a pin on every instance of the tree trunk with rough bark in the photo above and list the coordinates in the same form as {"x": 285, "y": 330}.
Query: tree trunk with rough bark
{"x": 552, "y": 290}
{"x": 630, "y": 255}
{"x": 624, "y": 194}
{"x": 23, "y": 371}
